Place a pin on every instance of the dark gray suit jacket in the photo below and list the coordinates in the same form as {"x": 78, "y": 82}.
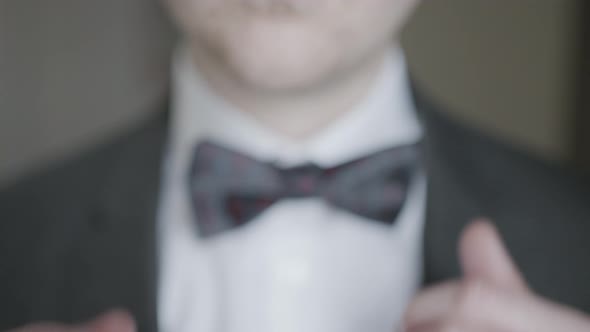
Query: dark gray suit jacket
{"x": 80, "y": 238}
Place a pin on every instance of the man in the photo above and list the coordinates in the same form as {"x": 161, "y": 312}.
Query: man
{"x": 170, "y": 228}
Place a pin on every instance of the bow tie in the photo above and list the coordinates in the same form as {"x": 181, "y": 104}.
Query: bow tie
{"x": 229, "y": 189}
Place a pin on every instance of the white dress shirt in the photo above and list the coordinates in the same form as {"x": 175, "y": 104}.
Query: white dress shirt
{"x": 302, "y": 265}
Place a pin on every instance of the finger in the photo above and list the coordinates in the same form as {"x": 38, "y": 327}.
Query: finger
{"x": 440, "y": 327}
{"x": 451, "y": 305}
{"x": 484, "y": 257}
{"x": 431, "y": 305}
{"x": 112, "y": 321}
{"x": 485, "y": 308}
{"x": 449, "y": 327}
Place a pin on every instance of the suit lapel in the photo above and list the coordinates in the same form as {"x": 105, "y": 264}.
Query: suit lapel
{"x": 115, "y": 264}
{"x": 450, "y": 203}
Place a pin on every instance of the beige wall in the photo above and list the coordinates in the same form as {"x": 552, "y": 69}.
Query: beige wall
{"x": 503, "y": 65}
{"x": 74, "y": 71}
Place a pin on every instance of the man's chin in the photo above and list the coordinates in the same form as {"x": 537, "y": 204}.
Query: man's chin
{"x": 282, "y": 79}
{"x": 280, "y": 85}
{"x": 276, "y": 72}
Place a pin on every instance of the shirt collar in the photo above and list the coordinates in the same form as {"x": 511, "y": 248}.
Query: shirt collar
{"x": 385, "y": 118}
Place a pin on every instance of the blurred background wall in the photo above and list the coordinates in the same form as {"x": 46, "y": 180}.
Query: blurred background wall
{"x": 505, "y": 66}
{"x": 74, "y": 72}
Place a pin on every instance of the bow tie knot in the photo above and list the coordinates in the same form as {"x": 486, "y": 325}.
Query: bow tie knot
{"x": 302, "y": 181}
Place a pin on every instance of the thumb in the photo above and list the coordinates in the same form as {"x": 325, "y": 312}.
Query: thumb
{"x": 484, "y": 257}
{"x": 112, "y": 321}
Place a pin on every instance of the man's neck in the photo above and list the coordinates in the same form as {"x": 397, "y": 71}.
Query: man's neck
{"x": 298, "y": 114}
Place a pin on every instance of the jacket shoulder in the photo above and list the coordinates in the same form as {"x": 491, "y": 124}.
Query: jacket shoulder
{"x": 503, "y": 172}
{"x": 43, "y": 214}
{"x": 540, "y": 208}
{"x": 81, "y": 176}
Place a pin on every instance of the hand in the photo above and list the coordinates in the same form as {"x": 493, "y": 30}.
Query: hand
{"x": 114, "y": 321}
{"x": 491, "y": 297}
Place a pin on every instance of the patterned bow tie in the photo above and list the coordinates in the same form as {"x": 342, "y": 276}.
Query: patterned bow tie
{"x": 229, "y": 189}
